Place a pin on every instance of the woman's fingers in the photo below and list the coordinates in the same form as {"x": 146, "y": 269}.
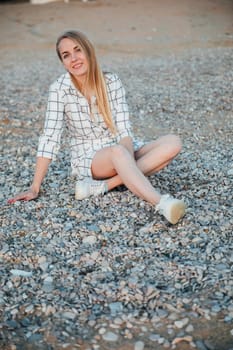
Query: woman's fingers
{"x": 17, "y": 198}
{"x": 24, "y": 196}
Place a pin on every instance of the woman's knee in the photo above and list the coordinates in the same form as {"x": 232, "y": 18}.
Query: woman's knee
{"x": 176, "y": 142}
{"x": 173, "y": 144}
{"x": 118, "y": 151}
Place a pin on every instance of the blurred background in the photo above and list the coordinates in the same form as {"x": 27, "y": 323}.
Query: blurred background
{"x": 135, "y": 27}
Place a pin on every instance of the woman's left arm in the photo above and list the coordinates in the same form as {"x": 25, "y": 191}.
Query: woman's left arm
{"x": 123, "y": 126}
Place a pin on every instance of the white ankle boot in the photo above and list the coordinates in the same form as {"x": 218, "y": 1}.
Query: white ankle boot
{"x": 90, "y": 187}
{"x": 171, "y": 208}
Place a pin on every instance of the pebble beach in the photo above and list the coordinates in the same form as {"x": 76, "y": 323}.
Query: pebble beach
{"x": 109, "y": 272}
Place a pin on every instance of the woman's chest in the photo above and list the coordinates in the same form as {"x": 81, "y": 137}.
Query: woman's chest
{"x": 83, "y": 117}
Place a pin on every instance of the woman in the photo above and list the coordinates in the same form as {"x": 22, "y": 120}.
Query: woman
{"x": 104, "y": 155}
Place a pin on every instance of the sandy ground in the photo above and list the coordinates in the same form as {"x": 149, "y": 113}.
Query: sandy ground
{"x": 135, "y": 27}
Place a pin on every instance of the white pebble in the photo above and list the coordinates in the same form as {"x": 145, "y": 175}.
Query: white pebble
{"x": 189, "y": 328}
{"x": 69, "y": 315}
{"x": 21, "y": 273}
{"x": 139, "y": 345}
{"x": 110, "y": 336}
{"x": 89, "y": 240}
{"x": 181, "y": 323}
{"x": 102, "y": 330}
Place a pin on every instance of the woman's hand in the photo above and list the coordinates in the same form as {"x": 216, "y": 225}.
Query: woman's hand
{"x": 24, "y": 196}
{"x": 42, "y": 165}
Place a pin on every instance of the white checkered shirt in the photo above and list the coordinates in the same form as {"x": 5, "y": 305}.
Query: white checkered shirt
{"x": 67, "y": 107}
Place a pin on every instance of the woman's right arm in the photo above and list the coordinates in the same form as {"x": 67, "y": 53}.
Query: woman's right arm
{"x": 49, "y": 143}
{"x": 42, "y": 165}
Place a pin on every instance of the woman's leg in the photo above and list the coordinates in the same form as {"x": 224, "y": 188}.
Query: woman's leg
{"x": 114, "y": 160}
{"x": 115, "y": 165}
{"x": 155, "y": 155}
{"x": 149, "y": 159}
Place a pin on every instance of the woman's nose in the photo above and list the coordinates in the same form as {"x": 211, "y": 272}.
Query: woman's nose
{"x": 73, "y": 56}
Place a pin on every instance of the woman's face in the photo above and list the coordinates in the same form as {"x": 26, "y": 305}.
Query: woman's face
{"x": 73, "y": 58}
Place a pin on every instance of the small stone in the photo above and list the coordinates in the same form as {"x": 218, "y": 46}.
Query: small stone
{"x": 186, "y": 338}
{"x": 12, "y": 324}
{"x": 115, "y": 307}
{"x": 161, "y": 340}
{"x": 91, "y": 323}
{"x": 44, "y": 266}
{"x": 139, "y": 345}
{"x": 118, "y": 321}
{"x": 128, "y": 334}
{"x": 216, "y": 309}
{"x": 102, "y": 330}
{"x": 89, "y": 240}
{"x": 34, "y": 338}
{"x": 21, "y": 273}
{"x": 228, "y": 319}
{"x": 162, "y": 313}
{"x": 25, "y": 322}
{"x": 181, "y": 323}
{"x": 29, "y": 308}
{"x": 48, "y": 284}
{"x": 69, "y": 315}
{"x": 154, "y": 337}
{"x": 48, "y": 287}
{"x": 68, "y": 226}
{"x": 189, "y": 328}
{"x": 110, "y": 336}
{"x": 42, "y": 259}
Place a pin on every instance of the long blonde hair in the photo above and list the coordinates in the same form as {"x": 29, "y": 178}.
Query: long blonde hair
{"x": 95, "y": 79}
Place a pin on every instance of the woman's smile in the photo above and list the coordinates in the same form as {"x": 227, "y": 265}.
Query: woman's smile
{"x": 77, "y": 65}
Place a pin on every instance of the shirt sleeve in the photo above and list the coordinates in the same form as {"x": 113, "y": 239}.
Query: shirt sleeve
{"x": 49, "y": 141}
{"x": 121, "y": 119}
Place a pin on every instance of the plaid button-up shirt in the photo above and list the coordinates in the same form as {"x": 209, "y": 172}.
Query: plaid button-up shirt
{"x": 67, "y": 107}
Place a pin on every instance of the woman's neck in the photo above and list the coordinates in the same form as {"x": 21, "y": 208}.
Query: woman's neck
{"x": 82, "y": 86}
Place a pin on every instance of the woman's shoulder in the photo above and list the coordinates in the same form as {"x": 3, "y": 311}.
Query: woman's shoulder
{"x": 111, "y": 77}
{"x": 113, "y": 80}
{"x": 63, "y": 82}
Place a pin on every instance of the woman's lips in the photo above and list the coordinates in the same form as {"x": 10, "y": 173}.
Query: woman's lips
{"x": 77, "y": 65}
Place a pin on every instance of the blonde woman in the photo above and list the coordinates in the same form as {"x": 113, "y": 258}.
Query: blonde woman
{"x": 104, "y": 154}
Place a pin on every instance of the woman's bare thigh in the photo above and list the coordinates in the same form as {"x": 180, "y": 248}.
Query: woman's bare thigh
{"x": 162, "y": 140}
{"x": 145, "y": 149}
{"x": 102, "y": 166}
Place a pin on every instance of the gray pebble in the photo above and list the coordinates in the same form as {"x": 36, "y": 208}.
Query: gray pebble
{"x": 21, "y": 273}
{"x": 115, "y": 307}
{"x": 110, "y": 336}
{"x": 154, "y": 337}
{"x": 89, "y": 240}
{"x": 139, "y": 345}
